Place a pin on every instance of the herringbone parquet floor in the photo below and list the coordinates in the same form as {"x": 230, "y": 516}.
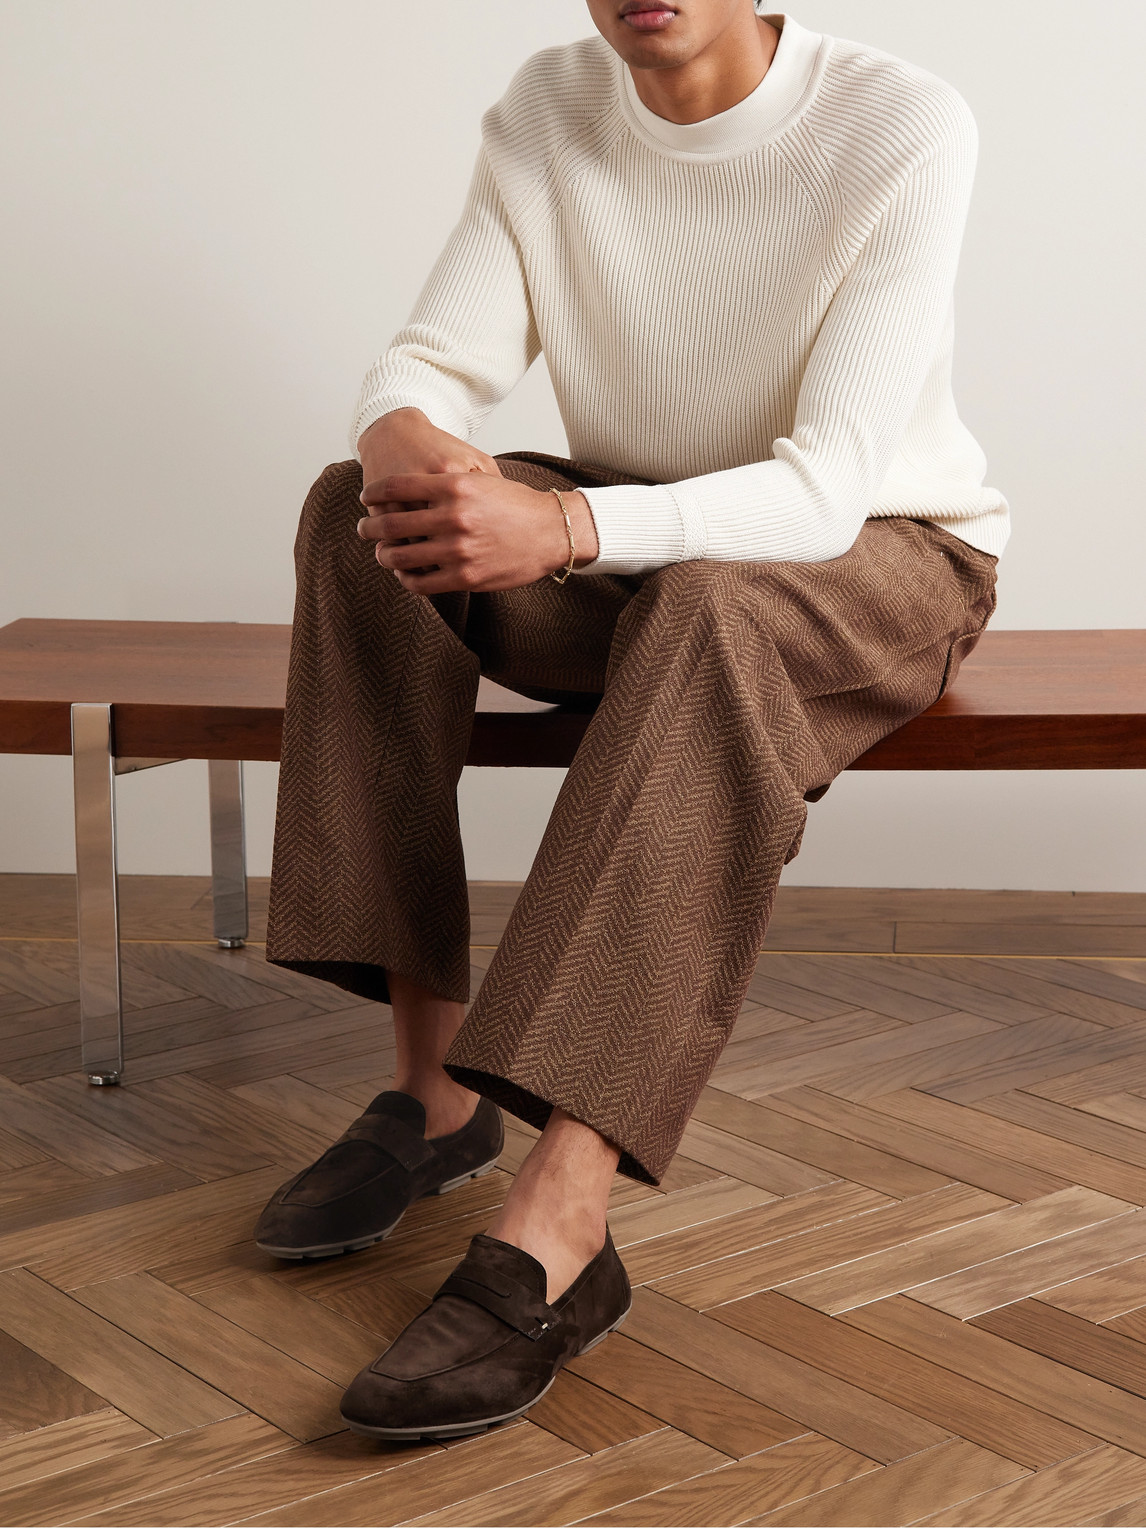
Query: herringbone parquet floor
{"x": 897, "y": 1273}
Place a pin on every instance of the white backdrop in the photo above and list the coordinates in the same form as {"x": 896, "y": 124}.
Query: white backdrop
{"x": 217, "y": 212}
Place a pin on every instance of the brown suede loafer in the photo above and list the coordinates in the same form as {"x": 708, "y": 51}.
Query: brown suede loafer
{"x": 359, "y": 1189}
{"x": 488, "y": 1346}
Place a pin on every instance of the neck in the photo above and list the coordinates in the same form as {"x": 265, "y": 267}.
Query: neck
{"x": 715, "y": 79}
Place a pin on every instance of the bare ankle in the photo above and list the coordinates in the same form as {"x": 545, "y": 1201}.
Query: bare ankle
{"x": 448, "y": 1105}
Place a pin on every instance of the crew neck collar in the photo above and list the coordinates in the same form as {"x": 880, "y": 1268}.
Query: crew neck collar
{"x": 751, "y": 122}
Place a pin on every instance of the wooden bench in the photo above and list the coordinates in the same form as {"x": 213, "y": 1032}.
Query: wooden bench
{"x": 121, "y": 696}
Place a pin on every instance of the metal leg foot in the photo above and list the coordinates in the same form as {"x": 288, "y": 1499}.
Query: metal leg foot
{"x": 228, "y": 853}
{"x": 97, "y": 894}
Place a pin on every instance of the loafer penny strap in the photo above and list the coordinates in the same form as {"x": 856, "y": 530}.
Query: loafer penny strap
{"x": 514, "y": 1302}
{"x": 392, "y": 1136}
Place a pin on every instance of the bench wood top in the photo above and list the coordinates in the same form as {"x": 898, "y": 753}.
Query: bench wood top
{"x": 215, "y": 689}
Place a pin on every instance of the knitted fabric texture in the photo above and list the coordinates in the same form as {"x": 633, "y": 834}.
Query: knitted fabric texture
{"x": 752, "y": 312}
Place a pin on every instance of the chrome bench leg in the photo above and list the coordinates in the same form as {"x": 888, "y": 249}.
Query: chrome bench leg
{"x": 228, "y": 852}
{"x": 97, "y": 894}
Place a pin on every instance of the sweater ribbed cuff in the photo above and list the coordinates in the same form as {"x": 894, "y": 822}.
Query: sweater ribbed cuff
{"x": 642, "y": 527}
{"x": 433, "y": 408}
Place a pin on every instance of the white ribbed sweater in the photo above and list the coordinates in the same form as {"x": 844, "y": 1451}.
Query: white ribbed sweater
{"x": 754, "y": 311}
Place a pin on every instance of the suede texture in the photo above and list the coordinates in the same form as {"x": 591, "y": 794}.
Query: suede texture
{"x": 363, "y": 1183}
{"x": 459, "y": 1363}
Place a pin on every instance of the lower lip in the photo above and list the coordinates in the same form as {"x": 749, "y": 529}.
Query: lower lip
{"x": 648, "y": 21}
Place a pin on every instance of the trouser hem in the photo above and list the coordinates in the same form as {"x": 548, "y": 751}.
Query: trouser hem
{"x": 535, "y": 1110}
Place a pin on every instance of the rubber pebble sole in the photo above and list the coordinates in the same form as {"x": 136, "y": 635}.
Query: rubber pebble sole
{"x": 336, "y": 1249}
{"x": 463, "y": 1429}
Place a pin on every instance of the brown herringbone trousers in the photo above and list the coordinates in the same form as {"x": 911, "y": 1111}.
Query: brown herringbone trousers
{"x": 732, "y": 692}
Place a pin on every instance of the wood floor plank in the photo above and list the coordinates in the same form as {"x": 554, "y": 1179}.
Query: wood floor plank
{"x": 787, "y": 1473}
{"x": 16, "y": 1153}
{"x": 1068, "y": 1493}
{"x": 756, "y": 1020}
{"x": 1053, "y": 1061}
{"x": 947, "y": 1062}
{"x": 320, "y": 1112}
{"x": 958, "y": 995}
{"x": 292, "y": 1474}
{"x": 1107, "y": 1354}
{"x": 348, "y": 1032}
{"x": 975, "y": 1127}
{"x": 685, "y": 1172}
{"x": 874, "y": 1050}
{"x": 1033, "y": 1269}
{"x": 954, "y": 1403}
{"x": 149, "y": 1032}
{"x": 207, "y": 971}
{"x": 86, "y": 1147}
{"x": 1123, "y": 1074}
{"x": 1124, "y": 1108}
{"x": 21, "y": 1186}
{"x": 265, "y": 1131}
{"x": 741, "y": 1056}
{"x": 24, "y": 969}
{"x": 1131, "y": 1324}
{"x": 157, "y": 1123}
{"x": 223, "y": 1355}
{"x": 66, "y": 1445}
{"x": 310, "y": 1333}
{"x": 140, "y": 988}
{"x": 950, "y": 1471}
{"x": 1023, "y": 981}
{"x": 134, "y": 1236}
{"x": 584, "y": 1486}
{"x": 749, "y": 1161}
{"x": 662, "y": 1256}
{"x": 879, "y": 1170}
{"x": 684, "y": 1399}
{"x": 365, "y": 1072}
{"x": 846, "y": 980}
{"x": 842, "y": 1242}
{"x": 960, "y": 1265}
{"x": 428, "y": 1484}
{"x": 382, "y": 1305}
{"x": 1086, "y": 1403}
{"x": 951, "y": 1159}
{"x": 589, "y": 1418}
{"x": 35, "y": 1393}
{"x": 820, "y": 1402}
{"x": 94, "y": 1194}
{"x": 250, "y": 963}
{"x": 245, "y": 1053}
{"x": 1066, "y": 1124}
{"x": 1132, "y": 1513}
{"x": 152, "y": 1467}
{"x": 1017, "y": 939}
{"x": 801, "y": 1002}
{"x": 657, "y": 1216}
{"x": 1103, "y": 1295}
{"x": 839, "y": 1188}
{"x": 154, "y": 1392}
{"x": 1086, "y": 976}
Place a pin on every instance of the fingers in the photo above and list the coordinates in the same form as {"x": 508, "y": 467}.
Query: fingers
{"x": 412, "y": 487}
{"x": 403, "y": 525}
{"x": 410, "y": 559}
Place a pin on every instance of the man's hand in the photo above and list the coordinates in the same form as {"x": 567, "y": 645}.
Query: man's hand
{"x": 406, "y": 441}
{"x": 475, "y": 531}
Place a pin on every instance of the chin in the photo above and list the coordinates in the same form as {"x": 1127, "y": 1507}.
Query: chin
{"x": 654, "y": 50}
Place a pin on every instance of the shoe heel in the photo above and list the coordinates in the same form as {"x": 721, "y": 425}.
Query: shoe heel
{"x": 478, "y": 1172}
{"x": 602, "y": 1335}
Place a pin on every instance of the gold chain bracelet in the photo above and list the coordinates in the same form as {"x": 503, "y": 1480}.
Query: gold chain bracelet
{"x": 562, "y": 574}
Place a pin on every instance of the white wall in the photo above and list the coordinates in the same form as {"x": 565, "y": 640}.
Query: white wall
{"x": 217, "y": 211}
